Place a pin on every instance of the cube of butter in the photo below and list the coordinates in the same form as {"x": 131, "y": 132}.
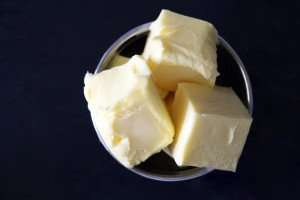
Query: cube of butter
{"x": 119, "y": 60}
{"x": 126, "y": 109}
{"x": 181, "y": 49}
{"x": 211, "y": 127}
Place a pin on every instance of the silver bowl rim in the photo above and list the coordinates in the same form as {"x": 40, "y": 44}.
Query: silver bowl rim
{"x": 195, "y": 172}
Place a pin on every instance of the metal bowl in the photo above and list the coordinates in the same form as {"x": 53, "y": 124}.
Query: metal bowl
{"x": 233, "y": 74}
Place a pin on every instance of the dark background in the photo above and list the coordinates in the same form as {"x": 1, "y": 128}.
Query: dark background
{"x": 48, "y": 146}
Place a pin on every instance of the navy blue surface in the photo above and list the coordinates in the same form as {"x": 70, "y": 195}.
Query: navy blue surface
{"x": 48, "y": 147}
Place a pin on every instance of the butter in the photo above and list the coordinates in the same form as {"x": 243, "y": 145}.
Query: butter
{"x": 120, "y": 60}
{"x": 211, "y": 127}
{"x": 128, "y": 112}
{"x": 181, "y": 49}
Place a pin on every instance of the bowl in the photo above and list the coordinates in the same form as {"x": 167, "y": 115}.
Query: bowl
{"x": 160, "y": 166}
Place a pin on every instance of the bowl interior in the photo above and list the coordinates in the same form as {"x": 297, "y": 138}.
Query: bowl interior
{"x": 160, "y": 166}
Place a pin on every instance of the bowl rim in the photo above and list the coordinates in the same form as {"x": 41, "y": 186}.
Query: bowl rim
{"x": 195, "y": 172}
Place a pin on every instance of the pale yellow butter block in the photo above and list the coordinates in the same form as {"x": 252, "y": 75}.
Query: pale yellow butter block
{"x": 131, "y": 117}
{"x": 211, "y": 127}
{"x": 119, "y": 60}
{"x": 181, "y": 49}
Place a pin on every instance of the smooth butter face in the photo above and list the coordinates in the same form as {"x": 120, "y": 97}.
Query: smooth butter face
{"x": 128, "y": 112}
{"x": 119, "y": 60}
{"x": 211, "y": 127}
{"x": 181, "y": 49}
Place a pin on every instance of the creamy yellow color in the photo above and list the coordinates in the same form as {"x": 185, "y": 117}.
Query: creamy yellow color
{"x": 211, "y": 127}
{"x": 119, "y": 60}
{"x": 126, "y": 108}
{"x": 181, "y": 49}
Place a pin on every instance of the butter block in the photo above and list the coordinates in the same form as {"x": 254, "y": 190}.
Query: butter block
{"x": 181, "y": 49}
{"x": 211, "y": 127}
{"x": 126, "y": 108}
{"x": 119, "y": 60}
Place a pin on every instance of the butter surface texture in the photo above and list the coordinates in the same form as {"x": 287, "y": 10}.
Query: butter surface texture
{"x": 181, "y": 49}
{"x": 119, "y": 60}
{"x": 128, "y": 112}
{"x": 211, "y": 127}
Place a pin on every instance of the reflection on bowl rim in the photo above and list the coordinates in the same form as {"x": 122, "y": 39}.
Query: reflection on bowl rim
{"x": 185, "y": 174}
